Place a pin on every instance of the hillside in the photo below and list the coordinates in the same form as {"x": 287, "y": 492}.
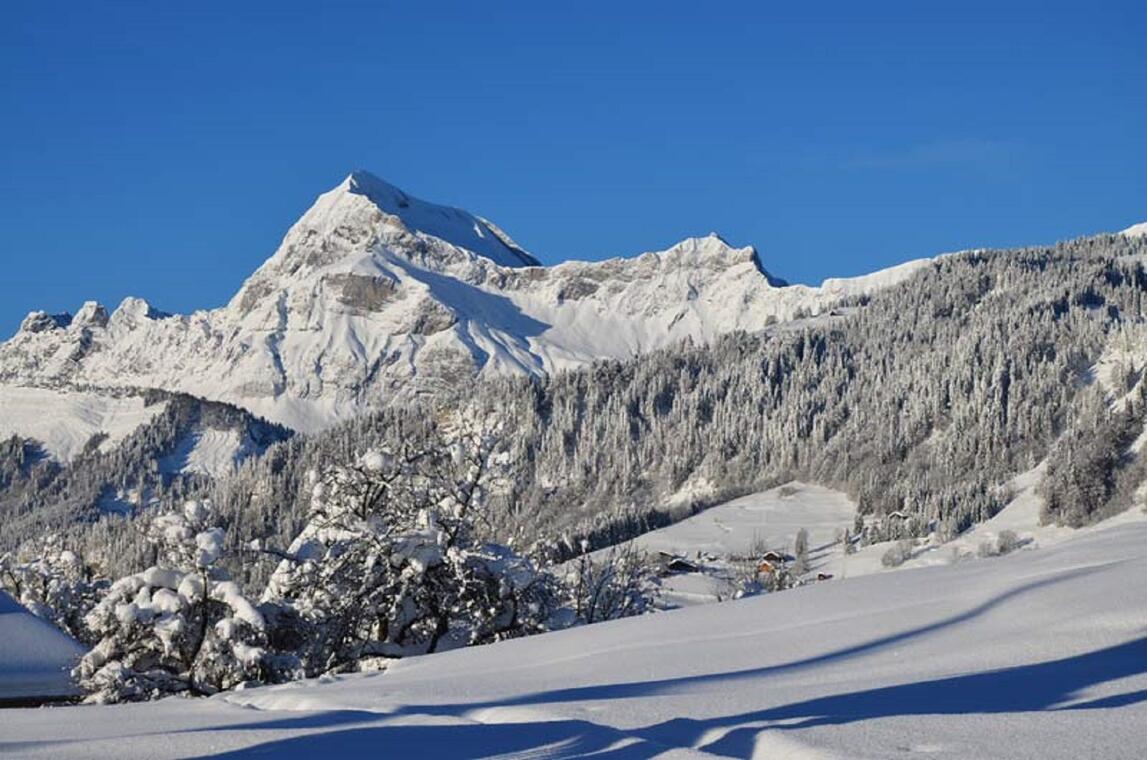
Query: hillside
{"x": 69, "y": 458}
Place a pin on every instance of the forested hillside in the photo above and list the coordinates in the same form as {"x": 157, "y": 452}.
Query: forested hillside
{"x": 923, "y": 400}
{"x": 39, "y": 494}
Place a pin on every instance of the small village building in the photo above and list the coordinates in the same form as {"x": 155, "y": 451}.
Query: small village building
{"x": 670, "y": 564}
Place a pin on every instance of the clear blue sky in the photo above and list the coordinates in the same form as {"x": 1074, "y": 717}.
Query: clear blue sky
{"x": 162, "y": 149}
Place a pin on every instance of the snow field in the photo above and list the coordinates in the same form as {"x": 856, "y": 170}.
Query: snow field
{"x": 972, "y": 660}
{"x": 63, "y": 421}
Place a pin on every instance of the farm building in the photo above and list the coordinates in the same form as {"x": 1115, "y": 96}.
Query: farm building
{"x": 669, "y": 564}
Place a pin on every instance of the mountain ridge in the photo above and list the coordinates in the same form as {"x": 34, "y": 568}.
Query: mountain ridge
{"x": 374, "y": 296}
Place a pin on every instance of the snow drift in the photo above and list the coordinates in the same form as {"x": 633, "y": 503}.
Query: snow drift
{"x": 35, "y": 658}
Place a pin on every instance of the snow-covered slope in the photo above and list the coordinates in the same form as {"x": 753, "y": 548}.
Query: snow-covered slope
{"x": 209, "y": 439}
{"x": 728, "y": 534}
{"x": 1136, "y": 230}
{"x": 1040, "y": 654}
{"x": 35, "y": 658}
{"x": 63, "y": 421}
{"x": 770, "y": 519}
{"x": 374, "y": 295}
{"x": 458, "y": 227}
{"x": 207, "y": 451}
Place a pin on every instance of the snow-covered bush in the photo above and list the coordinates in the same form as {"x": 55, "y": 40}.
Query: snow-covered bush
{"x": 897, "y": 553}
{"x": 178, "y": 627}
{"x": 744, "y": 577}
{"x": 392, "y": 561}
{"x": 1006, "y": 541}
{"x": 55, "y": 584}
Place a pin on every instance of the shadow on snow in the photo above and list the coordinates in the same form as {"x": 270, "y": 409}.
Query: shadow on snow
{"x": 1045, "y": 686}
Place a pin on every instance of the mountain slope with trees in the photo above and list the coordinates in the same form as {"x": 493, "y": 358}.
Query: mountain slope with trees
{"x": 923, "y": 401}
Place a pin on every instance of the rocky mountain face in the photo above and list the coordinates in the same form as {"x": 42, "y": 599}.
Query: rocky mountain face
{"x": 375, "y": 295}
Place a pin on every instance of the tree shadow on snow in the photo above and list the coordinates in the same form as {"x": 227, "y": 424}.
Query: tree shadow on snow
{"x": 551, "y": 739}
{"x": 641, "y": 689}
{"x": 1025, "y": 688}
{"x": 321, "y": 719}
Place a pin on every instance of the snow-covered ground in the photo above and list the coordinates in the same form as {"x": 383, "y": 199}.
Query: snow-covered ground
{"x": 770, "y": 519}
{"x": 1020, "y": 516}
{"x": 63, "y": 421}
{"x": 772, "y": 516}
{"x": 1039, "y": 654}
{"x": 209, "y": 452}
{"x": 767, "y": 519}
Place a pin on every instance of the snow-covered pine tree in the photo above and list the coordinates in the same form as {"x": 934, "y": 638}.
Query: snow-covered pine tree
{"x": 1085, "y": 465}
{"x": 178, "y": 627}
{"x": 800, "y": 553}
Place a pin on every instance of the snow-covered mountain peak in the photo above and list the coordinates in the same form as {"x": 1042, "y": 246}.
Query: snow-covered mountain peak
{"x": 41, "y": 321}
{"x": 1136, "y": 230}
{"x": 451, "y": 225}
{"x": 714, "y": 252}
{"x": 132, "y": 309}
{"x": 711, "y": 247}
{"x": 366, "y": 219}
{"x": 91, "y": 314}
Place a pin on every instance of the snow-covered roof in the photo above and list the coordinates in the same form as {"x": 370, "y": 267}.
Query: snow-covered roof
{"x": 35, "y": 657}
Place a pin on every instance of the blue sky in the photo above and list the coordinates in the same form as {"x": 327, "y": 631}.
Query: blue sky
{"x": 162, "y": 149}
